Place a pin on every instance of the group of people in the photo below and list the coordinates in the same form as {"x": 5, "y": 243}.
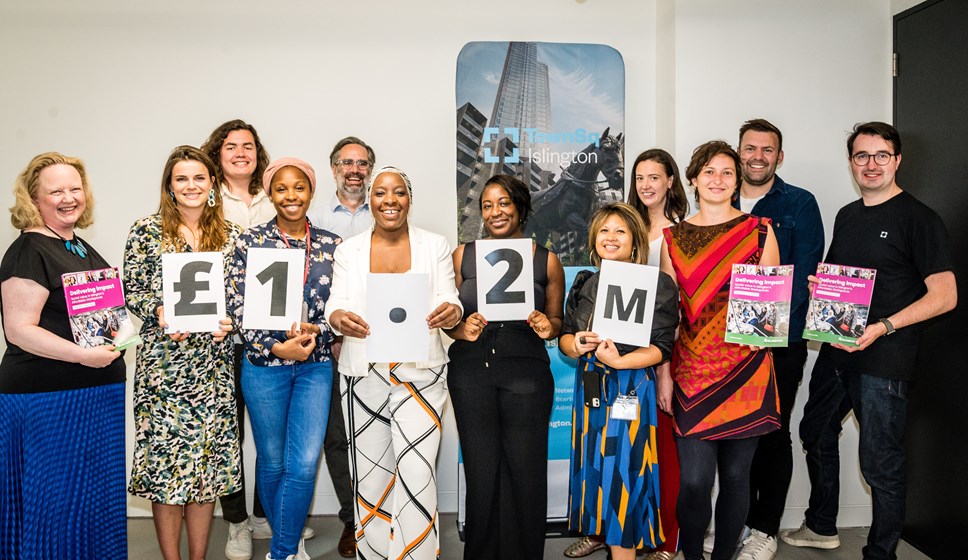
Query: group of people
{"x": 652, "y": 426}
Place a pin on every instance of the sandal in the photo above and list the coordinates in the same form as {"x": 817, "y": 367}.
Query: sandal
{"x": 583, "y": 547}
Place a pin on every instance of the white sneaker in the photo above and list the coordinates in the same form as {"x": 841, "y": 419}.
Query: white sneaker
{"x": 758, "y": 546}
{"x": 239, "y": 544}
{"x": 804, "y": 537}
{"x": 260, "y": 528}
{"x": 301, "y": 553}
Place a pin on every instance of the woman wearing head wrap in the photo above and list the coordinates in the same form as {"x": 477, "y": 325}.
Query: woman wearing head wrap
{"x": 287, "y": 376}
{"x": 186, "y": 451}
{"x": 393, "y": 409}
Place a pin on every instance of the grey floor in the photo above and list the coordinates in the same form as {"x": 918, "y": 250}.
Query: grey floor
{"x": 143, "y": 546}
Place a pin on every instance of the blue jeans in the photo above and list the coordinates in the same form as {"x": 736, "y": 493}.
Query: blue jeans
{"x": 880, "y": 406}
{"x": 288, "y": 409}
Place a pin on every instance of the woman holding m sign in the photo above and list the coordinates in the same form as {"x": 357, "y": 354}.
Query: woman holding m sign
{"x": 186, "y": 451}
{"x": 287, "y": 375}
{"x": 615, "y": 485}
{"x": 501, "y": 384}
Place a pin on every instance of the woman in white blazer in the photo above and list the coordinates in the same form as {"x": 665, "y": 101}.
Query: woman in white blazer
{"x": 392, "y": 410}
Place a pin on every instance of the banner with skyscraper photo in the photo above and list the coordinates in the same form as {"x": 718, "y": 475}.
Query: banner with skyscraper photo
{"x": 552, "y": 115}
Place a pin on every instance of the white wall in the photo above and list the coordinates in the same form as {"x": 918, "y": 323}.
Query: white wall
{"x": 120, "y": 83}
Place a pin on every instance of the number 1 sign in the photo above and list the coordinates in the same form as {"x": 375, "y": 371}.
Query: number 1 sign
{"x": 505, "y": 279}
{"x": 273, "y": 288}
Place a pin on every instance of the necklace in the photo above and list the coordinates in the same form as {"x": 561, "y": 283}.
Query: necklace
{"x": 72, "y": 245}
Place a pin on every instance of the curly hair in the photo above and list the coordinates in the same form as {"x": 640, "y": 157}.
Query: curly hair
{"x": 213, "y": 149}
{"x": 24, "y": 213}
{"x": 212, "y": 224}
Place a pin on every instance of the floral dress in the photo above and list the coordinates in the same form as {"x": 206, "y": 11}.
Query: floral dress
{"x": 186, "y": 429}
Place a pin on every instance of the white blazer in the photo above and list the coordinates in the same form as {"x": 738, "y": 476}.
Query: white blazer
{"x": 429, "y": 253}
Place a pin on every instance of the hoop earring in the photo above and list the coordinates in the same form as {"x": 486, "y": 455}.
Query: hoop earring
{"x": 211, "y": 197}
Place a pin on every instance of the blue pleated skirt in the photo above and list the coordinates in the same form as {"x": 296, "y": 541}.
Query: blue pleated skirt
{"x": 62, "y": 475}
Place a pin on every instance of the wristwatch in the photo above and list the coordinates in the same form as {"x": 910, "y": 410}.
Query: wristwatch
{"x": 887, "y": 325}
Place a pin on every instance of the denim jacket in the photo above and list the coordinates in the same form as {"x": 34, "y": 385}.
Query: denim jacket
{"x": 800, "y": 236}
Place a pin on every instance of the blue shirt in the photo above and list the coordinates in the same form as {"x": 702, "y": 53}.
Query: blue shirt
{"x": 339, "y": 219}
{"x": 799, "y": 234}
{"x": 259, "y": 343}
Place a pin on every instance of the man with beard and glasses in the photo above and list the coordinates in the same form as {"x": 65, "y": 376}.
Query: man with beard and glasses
{"x": 800, "y": 236}
{"x": 346, "y": 213}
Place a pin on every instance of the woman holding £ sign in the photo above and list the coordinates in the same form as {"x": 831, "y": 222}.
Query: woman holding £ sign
{"x": 186, "y": 451}
{"x": 501, "y": 384}
{"x": 614, "y": 485}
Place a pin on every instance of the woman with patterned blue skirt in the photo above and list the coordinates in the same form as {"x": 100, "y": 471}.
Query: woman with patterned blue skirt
{"x": 61, "y": 405}
{"x": 614, "y": 489}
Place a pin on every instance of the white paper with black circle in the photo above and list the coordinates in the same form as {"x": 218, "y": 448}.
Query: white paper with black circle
{"x": 193, "y": 291}
{"x": 505, "y": 279}
{"x": 625, "y": 302}
{"x": 273, "y": 288}
{"x": 397, "y": 306}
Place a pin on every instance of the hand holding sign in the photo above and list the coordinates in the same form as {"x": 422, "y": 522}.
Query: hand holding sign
{"x": 273, "y": 288}
{"x": 625, "y": 302}
{"x": 193, "y": 289}
{"x": 397, "y": 307}
{"x": 505, "y": 278}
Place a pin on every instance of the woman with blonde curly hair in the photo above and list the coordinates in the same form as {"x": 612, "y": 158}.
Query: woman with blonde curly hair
{"x": 61, "y": 405}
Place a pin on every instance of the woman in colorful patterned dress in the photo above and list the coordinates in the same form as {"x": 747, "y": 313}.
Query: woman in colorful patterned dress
{"x": 186, "y": 451}
{"x": 725, "y": 394}
{"x": 614, "y": 484}
{"x": 287, "y": 376}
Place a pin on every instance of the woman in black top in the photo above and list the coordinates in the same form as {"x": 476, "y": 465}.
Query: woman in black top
{"x": 61, "y": 405}
{"x": 501, "y": 385}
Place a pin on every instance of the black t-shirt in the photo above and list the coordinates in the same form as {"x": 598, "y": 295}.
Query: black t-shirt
{"x": 34, "y": 256}
{"x": 906, "y": 242}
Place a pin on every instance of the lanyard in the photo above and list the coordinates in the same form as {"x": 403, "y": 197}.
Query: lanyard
{"x": 309, "y": 242}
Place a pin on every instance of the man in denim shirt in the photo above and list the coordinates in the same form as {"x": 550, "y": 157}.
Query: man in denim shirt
{"x": 799, "y": 234}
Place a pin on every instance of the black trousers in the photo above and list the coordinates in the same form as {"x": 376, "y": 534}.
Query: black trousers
{"x": 336, "y": 449}
{"x": 502, "y": 414}
{"x": 233, "y": 505}
{"x": 773, "y": 462}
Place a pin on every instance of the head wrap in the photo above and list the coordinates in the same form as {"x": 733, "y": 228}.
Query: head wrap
{"x": 390, "y": 169}
{"x": 288, "y": 162}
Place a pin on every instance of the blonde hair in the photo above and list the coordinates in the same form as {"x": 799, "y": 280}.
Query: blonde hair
{"x": 24, "y": 213}
{"x": 632, "y": 219}
{"x": 212, "y": 224}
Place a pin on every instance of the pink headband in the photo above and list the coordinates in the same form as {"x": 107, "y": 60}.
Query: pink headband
{"x": 288, "y": 162}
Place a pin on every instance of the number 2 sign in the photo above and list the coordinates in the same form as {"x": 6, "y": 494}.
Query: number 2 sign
{"x": 273, "y": 288}
{"x": 505, "y": 279}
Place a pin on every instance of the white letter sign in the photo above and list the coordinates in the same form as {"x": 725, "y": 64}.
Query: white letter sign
{"x": 625, "y": 302}
{"x": 273, "y": 288}
{"x": 505, "y": 279}
{"x": 193, "y": 291}
{"x": 397, "y": 306}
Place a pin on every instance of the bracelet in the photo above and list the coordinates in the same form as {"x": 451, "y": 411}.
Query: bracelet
{"x": 887, "y": 325}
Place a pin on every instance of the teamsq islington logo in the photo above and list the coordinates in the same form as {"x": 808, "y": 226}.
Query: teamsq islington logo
{"x": 540, "y": 142}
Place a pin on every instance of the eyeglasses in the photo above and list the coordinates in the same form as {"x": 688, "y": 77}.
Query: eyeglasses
{"x": 360, "y": 163}
{"x": 880, "y": 158}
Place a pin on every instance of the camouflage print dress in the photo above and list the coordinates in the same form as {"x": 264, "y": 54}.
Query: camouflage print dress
{"x": 186, "y": 431}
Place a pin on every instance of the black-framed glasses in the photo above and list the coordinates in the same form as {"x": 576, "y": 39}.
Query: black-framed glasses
{"x": 360, "y": 163}
{"x": 880, "y": 158}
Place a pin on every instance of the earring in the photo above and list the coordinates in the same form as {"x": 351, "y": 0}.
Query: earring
{"x": 211, "y": 197}
{"x": 633, "y": 254}
{"x": 172, "y": 195}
